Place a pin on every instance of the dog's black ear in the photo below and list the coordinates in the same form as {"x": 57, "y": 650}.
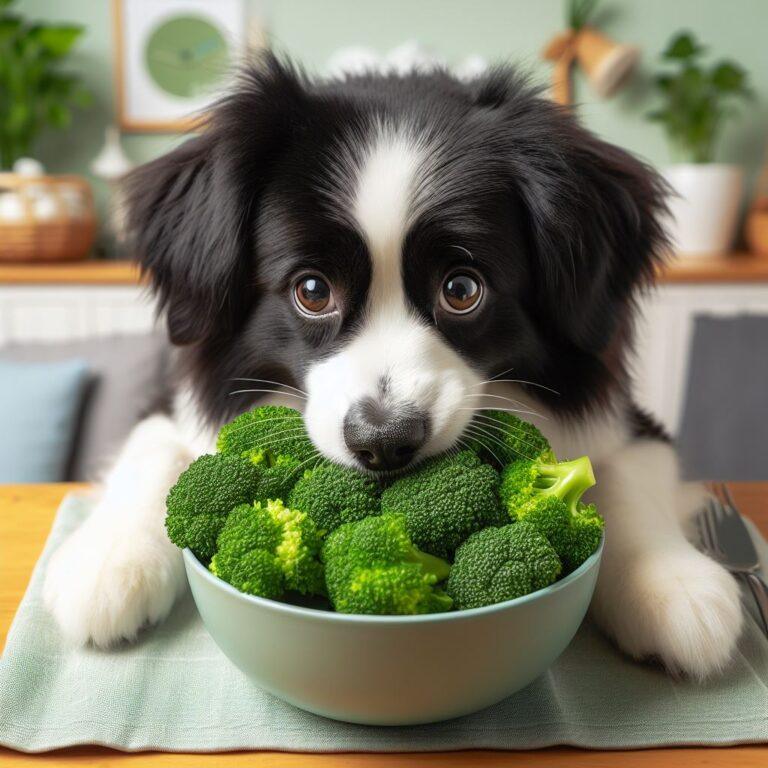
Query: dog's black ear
{"x": 594, "y": 213}
{"x": 190, "y": 214}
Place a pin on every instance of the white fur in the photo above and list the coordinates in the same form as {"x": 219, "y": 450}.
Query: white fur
{"x": 394, "y": 343}
{"x": 657, "y": 595}
{"x": 119, "y": 571}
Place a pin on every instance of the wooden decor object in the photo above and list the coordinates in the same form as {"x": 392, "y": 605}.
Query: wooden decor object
{"x": 756, "y": 227}
{"x": 45, "y": 218}
{"x": 605, "y": 62}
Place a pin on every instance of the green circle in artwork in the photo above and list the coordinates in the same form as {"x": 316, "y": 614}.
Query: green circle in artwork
{"x": 186, "y": 56}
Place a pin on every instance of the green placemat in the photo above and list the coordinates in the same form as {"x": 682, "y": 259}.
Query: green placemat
{"x": 174, "y": 690}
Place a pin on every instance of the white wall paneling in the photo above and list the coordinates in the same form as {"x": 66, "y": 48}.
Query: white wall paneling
{"x": 62, "y": 312}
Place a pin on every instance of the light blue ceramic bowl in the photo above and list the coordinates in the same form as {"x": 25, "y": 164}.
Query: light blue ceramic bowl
{"x": 393, "y": 670}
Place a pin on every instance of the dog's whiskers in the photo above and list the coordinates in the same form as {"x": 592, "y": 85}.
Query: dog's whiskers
{"x": 270, "y": 391}
{"x": 283, "y": 434}
{"x": 505, "y": 410}
{"x": 504, "y": 428}
{"x": 269, "y": 381}
{"x": 480, "y": 435}
{"x": 266, "y": 421}
{"x": 516, "y": 381}
{"x": 476, "y": 430}
{"x": 479, "y": 440}
{"x": 503, "y": 397}
{"x": 501, "y": 373}
{"x": 317, "y": 457}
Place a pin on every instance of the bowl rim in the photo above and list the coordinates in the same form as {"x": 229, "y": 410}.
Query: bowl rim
{"x": 593, "y": 561}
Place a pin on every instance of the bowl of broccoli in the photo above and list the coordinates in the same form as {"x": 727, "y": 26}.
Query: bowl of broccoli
{"x": 421, "y": 598}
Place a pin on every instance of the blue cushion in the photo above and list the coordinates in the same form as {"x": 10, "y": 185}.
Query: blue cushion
{"x": 39, "y": 408}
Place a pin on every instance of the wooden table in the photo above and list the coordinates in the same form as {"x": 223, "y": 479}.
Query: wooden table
{"x": 26, "y": 513}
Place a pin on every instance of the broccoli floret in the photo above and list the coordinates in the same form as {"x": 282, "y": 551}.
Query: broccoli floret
{"x": 266, "y": 549}
{"x": 203, "y": 496}
{"x": 582, "y": 537}
{"x": 506, "y": 438}
{"x": 332, "y": 495}
{"x": 372, "y": 566}
{"x": 498, "y": 564}
{"x": 446, "y": 500}
{"x": 273, "y": 435}
{"x": 277, "y": 482}
{"x": 548, "y": 496}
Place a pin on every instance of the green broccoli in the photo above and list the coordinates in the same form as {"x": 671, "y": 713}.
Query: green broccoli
{"x": 445, "y": 500}
{"x": 273, "y": 435}
{"x": 267, "y": 549}
{"x": 506, "y": 438}
{"x": 277, "y": 482}
{"x": 498, "y": 564}
{"x": 203, "y": 496}
{"x": 372, "y": 566}
{"x": 548, "y": 496}
{"x": 331, "y": 495}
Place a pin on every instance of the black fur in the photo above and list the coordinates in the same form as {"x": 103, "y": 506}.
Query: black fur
{"x": 563, "y": 227}
{"x": 644, "y": 425}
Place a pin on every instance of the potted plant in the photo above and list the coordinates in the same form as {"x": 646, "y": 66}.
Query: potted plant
{"x": 34, "y": 92}
{"x": 697, "y": 100}
{"x": 41, "y": 217}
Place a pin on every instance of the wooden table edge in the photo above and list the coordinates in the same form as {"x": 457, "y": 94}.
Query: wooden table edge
{"x": 35, "y": 507}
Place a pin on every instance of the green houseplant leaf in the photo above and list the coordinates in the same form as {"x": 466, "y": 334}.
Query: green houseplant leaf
{"x": 682, "y": 46}
{"x": 57, "y": 41}
{"x": 729, "y": 77}
{"x": 35, "y": 93}
{"x": 696, "y": 100}
{"x": 579, "y": 12}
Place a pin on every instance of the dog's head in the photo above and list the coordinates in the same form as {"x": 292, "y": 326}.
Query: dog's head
{"x": 387, "y": 244}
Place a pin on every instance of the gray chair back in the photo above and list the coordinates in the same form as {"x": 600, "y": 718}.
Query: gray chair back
{"x": 724, "y": 428}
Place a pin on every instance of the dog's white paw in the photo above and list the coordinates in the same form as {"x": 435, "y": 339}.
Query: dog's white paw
{"x": 679, "y": 606}
{"x": 103, "y": 585}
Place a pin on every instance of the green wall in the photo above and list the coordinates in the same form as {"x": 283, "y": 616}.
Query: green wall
{"x": 310, "y": 30}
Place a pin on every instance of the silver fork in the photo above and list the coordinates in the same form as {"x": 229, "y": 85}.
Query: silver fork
{"x": 726, "y": 538}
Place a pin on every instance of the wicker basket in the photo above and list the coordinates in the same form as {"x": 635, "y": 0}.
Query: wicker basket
{"x": 45, "y": 218}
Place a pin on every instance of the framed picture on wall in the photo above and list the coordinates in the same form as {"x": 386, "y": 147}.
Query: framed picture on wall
{"x": 172, "y": 59}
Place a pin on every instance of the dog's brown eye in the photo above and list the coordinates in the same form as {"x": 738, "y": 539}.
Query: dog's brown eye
{"x": 461, "y": 293}
{"x": 314, "y": 295}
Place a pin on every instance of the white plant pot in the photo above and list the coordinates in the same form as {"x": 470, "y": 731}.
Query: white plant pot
{"x": 705, "y": 211}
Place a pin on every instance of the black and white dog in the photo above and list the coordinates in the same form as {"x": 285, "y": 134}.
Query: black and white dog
{"x": 401, "y": 254}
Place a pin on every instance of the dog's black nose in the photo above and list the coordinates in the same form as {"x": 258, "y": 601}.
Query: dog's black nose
{"x": 384, "y": 438}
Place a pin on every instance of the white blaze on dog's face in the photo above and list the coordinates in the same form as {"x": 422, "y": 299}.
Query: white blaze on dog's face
{"x": 396, "y": 373}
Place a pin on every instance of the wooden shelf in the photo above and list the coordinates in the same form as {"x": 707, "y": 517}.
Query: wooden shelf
{"x": 90, "y": 272}
{"x": 735, "y": 268}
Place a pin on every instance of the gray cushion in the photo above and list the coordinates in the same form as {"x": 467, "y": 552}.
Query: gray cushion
{"x": 128, "y": 381}
{"x": 39, "y": 405}
{"x": 724, "y": 429}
